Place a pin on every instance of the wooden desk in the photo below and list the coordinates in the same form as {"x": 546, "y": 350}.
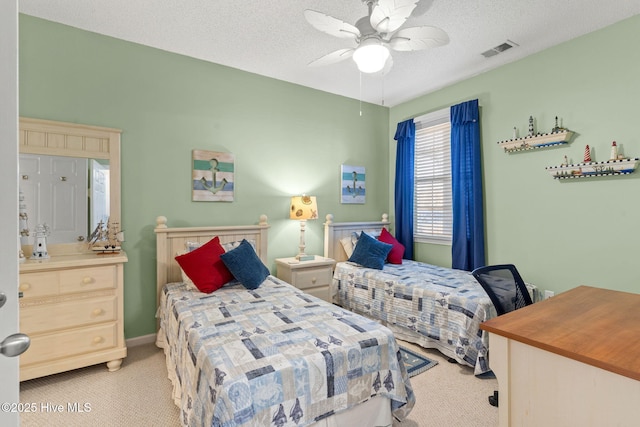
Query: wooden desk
{"x": 571, "y": 360}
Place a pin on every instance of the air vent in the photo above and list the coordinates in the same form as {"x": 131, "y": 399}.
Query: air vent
{"x": 499, "y": 49}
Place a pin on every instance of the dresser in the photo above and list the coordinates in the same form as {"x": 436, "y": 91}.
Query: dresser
{"x": 71, "y": 307}
{"x": 312, "y": 277}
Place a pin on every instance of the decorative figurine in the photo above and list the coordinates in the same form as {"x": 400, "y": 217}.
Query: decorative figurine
{"x": 106, "y": 238}
{"x": 23, "y": 220}
{"x": 565, "y": 162}
{"x": 21, "y": 257}
{"x": 556, "y": 128}
{"x": 531, "y": 130}
{"x": 587, "y": 154}
{"x": 23, "y": 234}
{"x": 614, "y": 151}
{"x": 40, "y": 244}
{"x": 515, "y": 133}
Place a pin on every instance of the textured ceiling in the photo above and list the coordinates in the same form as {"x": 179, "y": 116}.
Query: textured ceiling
{"x": 272, "y": 38}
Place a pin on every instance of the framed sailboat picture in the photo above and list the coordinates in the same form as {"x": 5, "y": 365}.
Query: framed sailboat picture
{"x": 352, "y": 184}
{"x": 212, "y": 176}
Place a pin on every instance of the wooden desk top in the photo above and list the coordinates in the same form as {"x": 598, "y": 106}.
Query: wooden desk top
{"x": 596, "y": 326}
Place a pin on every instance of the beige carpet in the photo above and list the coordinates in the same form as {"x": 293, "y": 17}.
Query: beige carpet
{"x": 139, "y": 395}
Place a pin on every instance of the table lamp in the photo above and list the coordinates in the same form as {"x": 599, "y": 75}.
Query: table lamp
{"x": 303, "y": 208}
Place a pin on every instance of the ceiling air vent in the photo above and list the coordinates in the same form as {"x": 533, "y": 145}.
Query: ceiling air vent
{"x": 499, "y": 49}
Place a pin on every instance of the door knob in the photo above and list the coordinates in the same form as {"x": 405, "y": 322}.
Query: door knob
{"x": 15, "y": 345}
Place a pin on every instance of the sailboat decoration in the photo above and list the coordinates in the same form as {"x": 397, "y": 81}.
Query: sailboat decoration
{"x": 106, "y": 238}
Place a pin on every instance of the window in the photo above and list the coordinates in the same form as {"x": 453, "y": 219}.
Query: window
{"x": 432, "y": 179}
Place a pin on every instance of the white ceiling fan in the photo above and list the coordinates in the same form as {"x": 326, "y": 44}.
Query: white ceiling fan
{"x": 375, "y": 34}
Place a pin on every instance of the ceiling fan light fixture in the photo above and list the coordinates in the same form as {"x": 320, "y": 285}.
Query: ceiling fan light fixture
{"x": 371, "y": 55}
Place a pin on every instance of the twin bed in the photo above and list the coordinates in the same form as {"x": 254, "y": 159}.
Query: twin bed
{"x": 432, "y": 306}
{"x": 273, "y": 355}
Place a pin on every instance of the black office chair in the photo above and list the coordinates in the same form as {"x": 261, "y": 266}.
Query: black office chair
{"x": 507, "y": 292}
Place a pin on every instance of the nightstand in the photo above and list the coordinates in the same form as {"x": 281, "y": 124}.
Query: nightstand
{"x": 312, "y": 277}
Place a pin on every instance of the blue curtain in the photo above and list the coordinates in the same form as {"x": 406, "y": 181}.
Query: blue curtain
{"x": 466, "y": 184}
{"x": 406, "y": 137}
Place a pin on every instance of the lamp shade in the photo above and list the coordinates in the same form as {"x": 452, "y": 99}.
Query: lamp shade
{"x": 303, "y": 207}
{"x": 371, "y": 55}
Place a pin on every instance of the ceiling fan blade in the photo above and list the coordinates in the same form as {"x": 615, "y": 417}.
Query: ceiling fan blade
{"x": 389, "y": 15}
{"x": 332, "y": 58}
{"x": 422, "y": 7}
{"x": 417, "y": 38}
{"x": 330, "y": 25}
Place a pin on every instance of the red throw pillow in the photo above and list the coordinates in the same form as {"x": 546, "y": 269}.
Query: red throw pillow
{"x": 204, "y": 266}
{"x": 397, "y": 251}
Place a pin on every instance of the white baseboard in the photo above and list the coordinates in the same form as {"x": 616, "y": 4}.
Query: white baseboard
{"x": 141, "y": 340}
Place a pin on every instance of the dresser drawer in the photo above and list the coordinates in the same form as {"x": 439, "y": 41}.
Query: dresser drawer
{"x": 49, "y": 347}
{"x": 312, "y": 277}
{"x": 34, "y": 285}
{"x": 69, "y": 314}
{"x": 87, "y": 279}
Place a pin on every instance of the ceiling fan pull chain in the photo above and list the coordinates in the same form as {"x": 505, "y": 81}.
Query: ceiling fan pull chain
{"x": 360, "y": 74}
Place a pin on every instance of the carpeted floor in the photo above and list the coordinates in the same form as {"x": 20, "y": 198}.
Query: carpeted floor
{"x": 139, "y": 394}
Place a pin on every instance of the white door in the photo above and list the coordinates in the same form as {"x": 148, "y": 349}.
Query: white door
{"x": 99, "y": 194}
{"x": 8, "y": 198}
{"x": 55, "y": 193}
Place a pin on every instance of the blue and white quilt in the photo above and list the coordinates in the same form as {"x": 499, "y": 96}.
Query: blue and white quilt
{"x": 275, "y": 356}
{"x": 433, "y": 306}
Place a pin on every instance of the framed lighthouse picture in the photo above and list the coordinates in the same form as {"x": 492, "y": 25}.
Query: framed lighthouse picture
{"x": 352, "y": 184}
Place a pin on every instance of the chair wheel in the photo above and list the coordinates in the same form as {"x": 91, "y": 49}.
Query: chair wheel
{"x": 493, "y": 400}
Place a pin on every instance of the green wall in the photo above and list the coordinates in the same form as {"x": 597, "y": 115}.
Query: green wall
{"x": 287, "y": 140}
{"x": 560, "y": 234}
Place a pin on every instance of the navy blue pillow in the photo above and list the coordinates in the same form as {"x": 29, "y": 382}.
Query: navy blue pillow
{"x": 369, "y": 252}
{"x": 244, "y": 264}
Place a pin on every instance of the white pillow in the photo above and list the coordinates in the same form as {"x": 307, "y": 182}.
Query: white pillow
{"x": 185, "y": 279}
{"x": 189, "y": 246}
{"x": 232, "y": 245}
{"x": 349, "y": 243}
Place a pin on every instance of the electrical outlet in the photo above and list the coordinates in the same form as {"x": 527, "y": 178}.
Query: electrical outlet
{"x": 548, "y": 294}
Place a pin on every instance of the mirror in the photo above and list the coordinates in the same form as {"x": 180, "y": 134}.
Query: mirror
{"x": 69, "y": 179}
{"x": 69, "y": 194}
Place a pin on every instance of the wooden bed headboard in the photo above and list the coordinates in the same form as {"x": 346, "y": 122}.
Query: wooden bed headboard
{"x": 334, "y": 231}
{"x": 170, "y": 241}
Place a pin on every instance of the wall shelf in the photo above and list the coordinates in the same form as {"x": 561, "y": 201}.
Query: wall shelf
{"x": 593, "y": 169}
{"x": 542, "y": 140}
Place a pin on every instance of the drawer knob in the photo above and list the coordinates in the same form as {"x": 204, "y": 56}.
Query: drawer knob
{"x": 25, "y": 286}
{"x": 98, "y": 340}
{"x": 313, "y": 280}
{"x": 98, "y": 312}
{"x": 87, "y": 280}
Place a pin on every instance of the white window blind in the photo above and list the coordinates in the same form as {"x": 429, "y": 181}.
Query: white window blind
{"x": 432, "y": 179}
